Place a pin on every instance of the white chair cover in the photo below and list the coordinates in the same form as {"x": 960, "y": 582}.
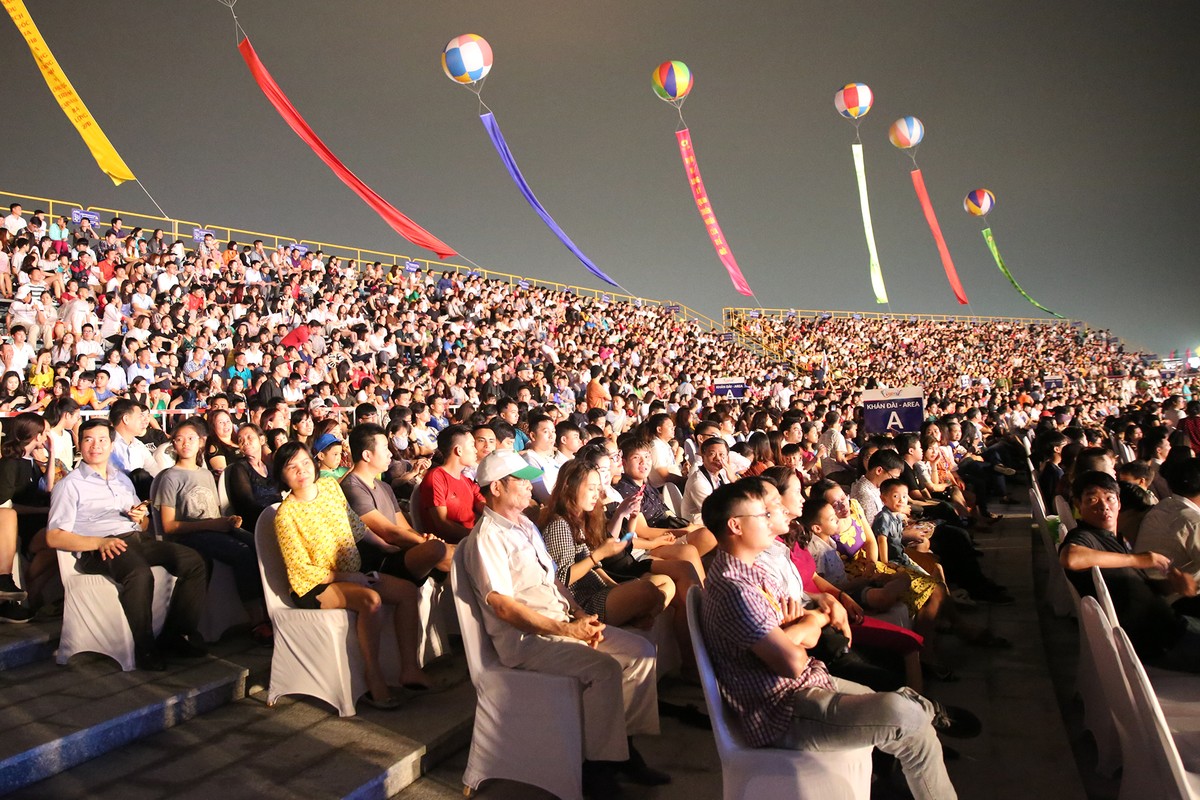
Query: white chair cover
{"x": 528, "y": 725}
{"x": 1153, "y": 765}
{"x": 223, "y": 607}
{"x": 756, "y": 773}
{"x": 316, "y": 651}
{"x": 1105, "y": 713}
{"x": 1057, "y": 593}
{"x": 1104, "y": 598}
{"x": 226, "y": 507}
{"x": 1066, "y": 516}
{"x": 93, "y": 620}
{"x": 673, "y": 498}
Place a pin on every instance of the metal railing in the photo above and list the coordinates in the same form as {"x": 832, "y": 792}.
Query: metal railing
{"x": 729, "y": 313}
{"x": 185, "y": 231}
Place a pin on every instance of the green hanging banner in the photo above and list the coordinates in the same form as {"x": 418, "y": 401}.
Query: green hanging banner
{"x": 991, "y": 243}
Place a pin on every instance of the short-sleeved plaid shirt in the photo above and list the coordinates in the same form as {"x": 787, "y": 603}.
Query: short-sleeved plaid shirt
{"x": 739, "y": 609}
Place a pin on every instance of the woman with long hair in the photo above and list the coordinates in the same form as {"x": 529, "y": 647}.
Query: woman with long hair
{"x": 571, "y": 520}
{"x": 185, "y": 497}
{"x": 248, "y": 479}
{"x": 28, "y": 474}
{"x": 318, "y": 532}
{"x": 220, "y": 450}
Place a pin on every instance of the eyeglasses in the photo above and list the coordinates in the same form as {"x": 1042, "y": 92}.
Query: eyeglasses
{"x": 765, "y": 515}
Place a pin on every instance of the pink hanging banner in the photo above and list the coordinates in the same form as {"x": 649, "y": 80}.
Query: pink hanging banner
{"x": 706, "y": 213}
{"x": 398, "y": 222}
{"x": 930, "y": 218}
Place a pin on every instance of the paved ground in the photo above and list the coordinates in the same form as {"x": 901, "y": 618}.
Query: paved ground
{"x": 1025, "y": 750}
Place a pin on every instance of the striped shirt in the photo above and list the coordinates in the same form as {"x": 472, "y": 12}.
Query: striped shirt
{"x": 740, "y": 608}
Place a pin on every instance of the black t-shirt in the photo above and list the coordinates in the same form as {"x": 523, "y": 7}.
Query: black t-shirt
{"x": 1152, "y": 625}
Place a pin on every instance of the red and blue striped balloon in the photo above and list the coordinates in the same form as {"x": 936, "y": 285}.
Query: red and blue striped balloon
{"x": 906, "y": 132}
{"x": 672, "y": 80}
{"x": 854, "y": 100}
{"x": 979, "y": 202}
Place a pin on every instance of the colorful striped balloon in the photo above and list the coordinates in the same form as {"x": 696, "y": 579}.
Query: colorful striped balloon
{"x": 672, "y": 80}
{"x": 979, "y": 202}
{"x": 906, "y": 132}
{"x": 467, "y": 58}
{"x": 854, "y": 100}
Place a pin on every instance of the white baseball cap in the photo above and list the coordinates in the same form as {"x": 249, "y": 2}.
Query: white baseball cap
{"x": 502, "y": 464}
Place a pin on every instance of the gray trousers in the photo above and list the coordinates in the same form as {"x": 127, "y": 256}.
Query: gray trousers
{"x": 898, "y": 723}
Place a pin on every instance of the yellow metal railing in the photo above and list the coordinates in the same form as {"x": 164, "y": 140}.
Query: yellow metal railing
{"x": 184, "y": 230}
{"x": 729, "y": 313}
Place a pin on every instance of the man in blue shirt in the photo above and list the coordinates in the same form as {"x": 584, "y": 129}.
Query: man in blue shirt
{"x": 95, "y": 513}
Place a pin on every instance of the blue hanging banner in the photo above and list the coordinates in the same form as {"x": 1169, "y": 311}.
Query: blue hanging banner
{"x": 510, "y": 163}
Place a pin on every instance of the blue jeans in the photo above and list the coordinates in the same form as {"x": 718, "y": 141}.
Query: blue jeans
{"x": 235, "y": 548}
{"x": 898, "y": 723}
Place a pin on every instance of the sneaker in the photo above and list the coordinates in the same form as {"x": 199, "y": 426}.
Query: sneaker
{"x": 9, "y": 589}
{"x": 1003, "y": 470}
{"x": 955, "y": 721}
{"x": 14, "y": 613}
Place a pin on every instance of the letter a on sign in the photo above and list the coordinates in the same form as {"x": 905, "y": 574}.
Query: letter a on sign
{"x": 894, "y": 421}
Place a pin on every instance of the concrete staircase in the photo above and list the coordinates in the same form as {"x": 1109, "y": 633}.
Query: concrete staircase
{"x": 203, "y": 729}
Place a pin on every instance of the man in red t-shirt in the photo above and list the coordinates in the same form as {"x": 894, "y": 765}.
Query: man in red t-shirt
{"x": 1191, "y": 425}
{"x": 447, "y": 500}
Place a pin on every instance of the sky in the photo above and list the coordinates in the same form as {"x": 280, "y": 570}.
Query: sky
{"x": 1078, "y": 116}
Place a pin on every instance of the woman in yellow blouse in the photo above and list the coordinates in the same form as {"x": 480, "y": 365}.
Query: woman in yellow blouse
{"x": 318, "y": 533}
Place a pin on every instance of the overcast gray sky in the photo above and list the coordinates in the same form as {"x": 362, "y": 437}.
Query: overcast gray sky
{"x": 1080, "y": 117}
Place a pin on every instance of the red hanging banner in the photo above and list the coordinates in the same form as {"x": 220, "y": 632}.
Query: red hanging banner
{"x": 706, "y": 213}
{"x": 930, "y": 218}
{"x": 398, "y": 222}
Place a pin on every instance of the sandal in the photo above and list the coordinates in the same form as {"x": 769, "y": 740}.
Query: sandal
{"x": 390, "y": 703}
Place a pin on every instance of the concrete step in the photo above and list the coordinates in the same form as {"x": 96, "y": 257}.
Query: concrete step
{"x": 296, "y": 749}
{"x": 28, "y": 643}
{"x": 53, "y": 718}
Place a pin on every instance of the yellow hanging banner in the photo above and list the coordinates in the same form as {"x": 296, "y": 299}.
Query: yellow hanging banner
{"x": 102, "y": 150}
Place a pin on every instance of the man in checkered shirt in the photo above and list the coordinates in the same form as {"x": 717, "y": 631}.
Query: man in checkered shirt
{"x": 782, "y": 697}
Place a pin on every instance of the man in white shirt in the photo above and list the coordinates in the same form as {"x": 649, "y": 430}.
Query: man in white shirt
{"x": 707, "y": 476}
{"x": 534, "y": 625}
{"x": 14, "y": 223}
{"x": 541, "y": 455}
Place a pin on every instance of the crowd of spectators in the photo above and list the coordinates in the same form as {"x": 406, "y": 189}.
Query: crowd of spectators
{"x": 183, "y": 380}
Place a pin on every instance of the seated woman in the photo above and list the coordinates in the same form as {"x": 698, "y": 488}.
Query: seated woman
{"x": 220, "y": 450}
{"x": 26, "y": 479}
{"x": 317, "y": 534}
{"x": 248, "y": 481}
{"x": 185, "y": 497}
{"x": 570, "y": 521}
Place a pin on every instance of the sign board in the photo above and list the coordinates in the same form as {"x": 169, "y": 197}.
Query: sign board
{"x": 754, "y": 315}
{"x": 730, "y": 387}
{"x": 300, "y": 248}
{"x": 725, "y": 337}
{"x": 673, "y": 309}
{"x": 198, "y": 234}
{"x": 411, "y": 266}
{"x": 791, "y": 314}
{"x": 523, "y": 284}
{"x": 605, "y": 298}
{"x": 79, "y": 215}
{"x": 893, "y": 410}
{"x": 1054, "y": 382}
{"x": 474, "y": 273}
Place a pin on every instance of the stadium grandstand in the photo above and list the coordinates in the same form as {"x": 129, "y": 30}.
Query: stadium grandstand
{"x": 949, "y": 495}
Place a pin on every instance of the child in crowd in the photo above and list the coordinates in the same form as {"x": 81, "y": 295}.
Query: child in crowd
{"x": 890, "y": 523}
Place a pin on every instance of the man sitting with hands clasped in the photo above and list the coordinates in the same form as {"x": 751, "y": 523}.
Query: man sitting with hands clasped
{"x": 95, "y": 513}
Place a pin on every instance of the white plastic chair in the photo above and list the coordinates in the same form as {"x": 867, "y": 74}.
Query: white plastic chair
{"x": 528, "y": 725}
{"x": 316, "y": 651}
{"x": 93, "y": 620}
{"x": 750, "y": 773}
{"x": 1153, "y": 766}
